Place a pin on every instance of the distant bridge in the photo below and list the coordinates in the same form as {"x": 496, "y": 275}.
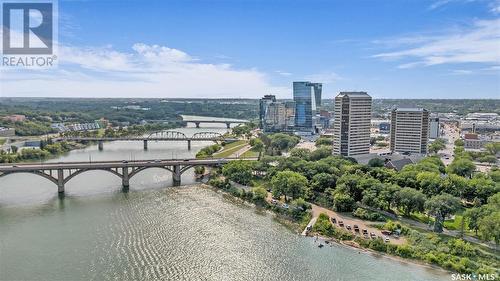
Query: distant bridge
{"x": 156, "y": 136}
{"x": 228, "y": 123}
{"x": 61, "y": 173}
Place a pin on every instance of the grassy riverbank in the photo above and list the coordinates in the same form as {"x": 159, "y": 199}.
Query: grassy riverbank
{"x": 37, "y": 154}
{"x": 421, "y": 247}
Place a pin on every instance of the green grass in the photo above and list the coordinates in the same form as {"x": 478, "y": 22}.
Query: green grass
{"x": 231, "y": 148}
{"x": 2, "y": 141}
{"x": 423, "y": 218}
{"x": 250, "y": 153}
{"x": 233, "y": 144}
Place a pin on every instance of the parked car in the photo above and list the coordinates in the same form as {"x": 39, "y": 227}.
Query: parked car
{"x": 341, "y": 223}
{"x": 356, "y": 228}
{"x": 334, "y": 220}
{"x": 348, "y": 227}
{"x": 372, "y": 235}
{"x": 387, "y": 240}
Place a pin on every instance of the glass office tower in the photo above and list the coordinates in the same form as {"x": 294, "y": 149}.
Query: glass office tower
{"x": 317, "y": 92}
{"x": 305, "y": 105}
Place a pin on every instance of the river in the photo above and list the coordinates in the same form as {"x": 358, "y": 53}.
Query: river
{"x": 156, "y": 231}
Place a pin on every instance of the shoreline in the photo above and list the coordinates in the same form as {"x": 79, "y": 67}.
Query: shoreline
{"x": 295, "y": 228}
{"x": 380, "y": 254}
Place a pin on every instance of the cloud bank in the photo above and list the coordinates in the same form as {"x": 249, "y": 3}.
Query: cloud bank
{"x": 143, "y": 71}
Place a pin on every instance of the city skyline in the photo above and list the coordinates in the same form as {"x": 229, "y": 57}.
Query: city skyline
{"x": 188, "y": 49}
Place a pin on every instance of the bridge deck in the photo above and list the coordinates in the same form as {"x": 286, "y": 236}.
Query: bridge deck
{"x": 141, "y": 139}
{"x": 15, "y": 167}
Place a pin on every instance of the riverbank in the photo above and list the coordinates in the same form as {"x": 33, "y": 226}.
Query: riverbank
{"x": 297, "y": 227}
{"x": 407, "y": 248}
{"x": 48, "y": 151}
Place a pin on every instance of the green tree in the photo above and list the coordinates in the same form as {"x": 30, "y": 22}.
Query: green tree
{"x": 440, "y": 206}
{"x": 455, "y": 185}
{"x": 430, "y": 183}
{"x": 320, "y": 153}
{"x": 199, "y": 170}
{"x": 409, "y": 200}
{"x": 490, "y": 227}
{"x": 259, "y": 195}
{"x": 483, "y": 187}
{"x": 302, "y": 153}
{"x": 462, "y": 167}
{"x": 324, "y": 141}
{"x": 343, "y": 202}
{"x": 437, "y": 145}
{"x": 238, "y": 171}
{"x": 473, "y": 215}
{"x": 289, "y": 184}
{"x": 257, "y": 145}
{"x": 322, "y": 181}
{"x": 459, "y": 142}
{"x": 13, "y": 149}
{"x": 493, "y": 147}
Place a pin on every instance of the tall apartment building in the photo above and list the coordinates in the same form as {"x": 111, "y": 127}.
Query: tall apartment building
{"x": 305, "y": 95}
{"x": 263, "y": 104}
{"x": 435, "y": 129}
{"x": 275, "y": 115}
{"x": 409, "y": 130}
{"x": 352, "y": 122}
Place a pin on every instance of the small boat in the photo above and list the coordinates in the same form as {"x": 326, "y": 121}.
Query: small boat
{"x": 320, "y": 246}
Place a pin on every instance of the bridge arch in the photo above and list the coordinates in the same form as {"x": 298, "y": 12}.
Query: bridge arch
{"x": 136, "y": 171}
{"x": 38, "y": 173}
{"x": 81, "y": 171}
{"x": 168, "y": 135}
{"x": 208, "y": 135}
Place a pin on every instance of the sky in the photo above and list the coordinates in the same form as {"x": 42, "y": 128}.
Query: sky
{"x": 249, "y": 48}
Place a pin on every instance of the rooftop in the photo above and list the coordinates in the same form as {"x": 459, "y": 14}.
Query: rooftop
{"x": 410, "y": 109}
{"x": 353, "y": 94}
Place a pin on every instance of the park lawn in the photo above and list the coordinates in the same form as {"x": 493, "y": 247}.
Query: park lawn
{"x": 230, "y": 149}
{"x": 233, "y": 144}
{"x": 250, "y": 154}
{"x": 2, "y": 141}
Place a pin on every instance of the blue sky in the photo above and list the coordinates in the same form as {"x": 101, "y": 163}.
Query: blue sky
{"x": 210, "y": 49}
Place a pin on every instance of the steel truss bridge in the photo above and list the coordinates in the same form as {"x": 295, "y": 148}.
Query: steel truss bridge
{"x": 156, "y": 136}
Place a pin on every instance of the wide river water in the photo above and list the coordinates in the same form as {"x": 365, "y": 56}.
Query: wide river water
{"x": 156, "y": 231}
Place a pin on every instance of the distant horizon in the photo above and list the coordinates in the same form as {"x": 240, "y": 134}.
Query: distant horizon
{"x": 246, "y": 49}
{"x": 215, "y": 98}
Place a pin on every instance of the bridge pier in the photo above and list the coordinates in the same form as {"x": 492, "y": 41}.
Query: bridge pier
{"x": 176, "y": 175}
{"x": 145, "y": 144}
{"x": 60, "y": 181}
{"x": 189, "y": 144}
{"x": 125, "y": 178}
{"x": 228, "y": 125}
{"x": 197, "y": 124}
{"x": 100, "y": 145}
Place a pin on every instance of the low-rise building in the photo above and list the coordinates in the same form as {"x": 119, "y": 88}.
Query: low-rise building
{"x": 15, "y": 118}
{"x": 474, "y": 141}
{"x": 7, "y": 132}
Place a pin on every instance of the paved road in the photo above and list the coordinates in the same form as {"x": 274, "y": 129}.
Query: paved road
{"x": 451, "y": 133}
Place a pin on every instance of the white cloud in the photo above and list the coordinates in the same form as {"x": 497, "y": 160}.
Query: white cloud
{"x": 478, "y": 44}
{"x": 283, "y": 73}
{"x": 145, "y": 71}
{"x": 439, "y": 3}
{"x": 324, "y": 77}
